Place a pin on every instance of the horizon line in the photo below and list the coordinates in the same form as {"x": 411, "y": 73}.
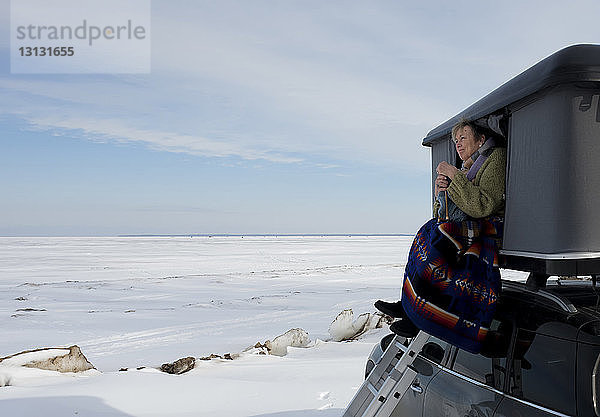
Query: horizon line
{"x": 215, "y": 235}
{"x": 264, "y": 234}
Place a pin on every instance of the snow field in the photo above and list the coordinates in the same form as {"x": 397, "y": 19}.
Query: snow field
{"x": 144, "y": 301}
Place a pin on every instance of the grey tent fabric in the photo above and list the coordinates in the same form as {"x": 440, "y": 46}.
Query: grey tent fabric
{"x": 553, "y": 181}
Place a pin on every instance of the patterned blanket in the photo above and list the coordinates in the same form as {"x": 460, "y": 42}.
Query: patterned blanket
{"x": 452, "y": 280}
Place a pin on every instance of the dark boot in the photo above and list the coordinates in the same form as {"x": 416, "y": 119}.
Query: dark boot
{"x": 404, "y": 328}
{"x": 391, "y": 309}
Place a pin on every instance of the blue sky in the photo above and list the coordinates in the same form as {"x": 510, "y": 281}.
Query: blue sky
{"x": 263, "y": 116}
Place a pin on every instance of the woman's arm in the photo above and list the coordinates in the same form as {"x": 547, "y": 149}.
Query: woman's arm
{"x": 486, "y": 198}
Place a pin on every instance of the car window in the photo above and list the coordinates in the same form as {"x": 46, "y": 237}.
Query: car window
{"x": 543, "y": 371}
{"x": 476, "y": 367}
{"x": 488, "y": 367}
{"x": 435, "y": 350}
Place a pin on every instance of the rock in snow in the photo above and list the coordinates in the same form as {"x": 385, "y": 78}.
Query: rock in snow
{"x": 5, "y": 380}
{"x": 344, "y": 327}
{"x": 227, "y": 356}
{"x": 293, "y": 338}
{"x": 180, "y": 366}
{"x": 51, "y": 359}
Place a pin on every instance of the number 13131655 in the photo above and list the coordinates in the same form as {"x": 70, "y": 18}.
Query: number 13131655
{"x": 47, "y": 51}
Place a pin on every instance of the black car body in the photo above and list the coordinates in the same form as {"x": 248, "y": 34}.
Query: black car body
{"x": 541, "y": 358}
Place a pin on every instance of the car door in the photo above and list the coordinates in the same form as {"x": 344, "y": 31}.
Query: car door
{"x": 542, "y": 377}
{"x": 465, "y": 390}
{"x": 471, "y": 384}
{"x": 434, "y": 352}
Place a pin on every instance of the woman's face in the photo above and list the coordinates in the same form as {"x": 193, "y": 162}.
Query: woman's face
{"x": 466, "y": 142}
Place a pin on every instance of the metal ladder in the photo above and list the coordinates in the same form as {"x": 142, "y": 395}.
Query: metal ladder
{"x": 388, "y": 381}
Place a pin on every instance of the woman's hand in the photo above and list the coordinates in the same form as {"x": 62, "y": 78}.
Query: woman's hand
{"x": 441, "y": 183}
{"x": 446, "y": 169}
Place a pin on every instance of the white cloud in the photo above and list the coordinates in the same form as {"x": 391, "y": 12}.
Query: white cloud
{"x": 157, "y": 140}
{"x": 128, "y": 109}
{"x": 325, "y": 79}
{"x": 295, "y": 80}
{"x": 289, "y": 84}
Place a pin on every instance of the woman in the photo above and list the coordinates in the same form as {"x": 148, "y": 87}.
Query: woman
{"x": 452, "y": 280}
{"x": 483, "y": 194}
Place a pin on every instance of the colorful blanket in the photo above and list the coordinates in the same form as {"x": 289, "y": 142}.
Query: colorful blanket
{"x": 452, "y": 280}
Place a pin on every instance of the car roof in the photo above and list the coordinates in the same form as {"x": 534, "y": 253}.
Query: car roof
{"x": 566, "y": 295}
{"x": 559, "y": 310}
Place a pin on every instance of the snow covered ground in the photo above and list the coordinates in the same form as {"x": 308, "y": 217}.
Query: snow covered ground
{"x": 132, "y": 302}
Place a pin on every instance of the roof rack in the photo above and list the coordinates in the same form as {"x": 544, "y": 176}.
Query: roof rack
{"x": 562, "y": 302}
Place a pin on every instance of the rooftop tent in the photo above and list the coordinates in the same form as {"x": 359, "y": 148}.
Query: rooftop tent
{"x": 550, "y": 117}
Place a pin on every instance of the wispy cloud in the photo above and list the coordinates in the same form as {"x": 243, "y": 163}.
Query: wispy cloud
{"x": 157, "y": 140}
{"x": 299, "y": 80}
{"x": 284, "y": 88}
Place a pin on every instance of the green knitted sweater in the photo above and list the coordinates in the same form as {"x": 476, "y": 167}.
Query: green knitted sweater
{"x": 485, "y": 195}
